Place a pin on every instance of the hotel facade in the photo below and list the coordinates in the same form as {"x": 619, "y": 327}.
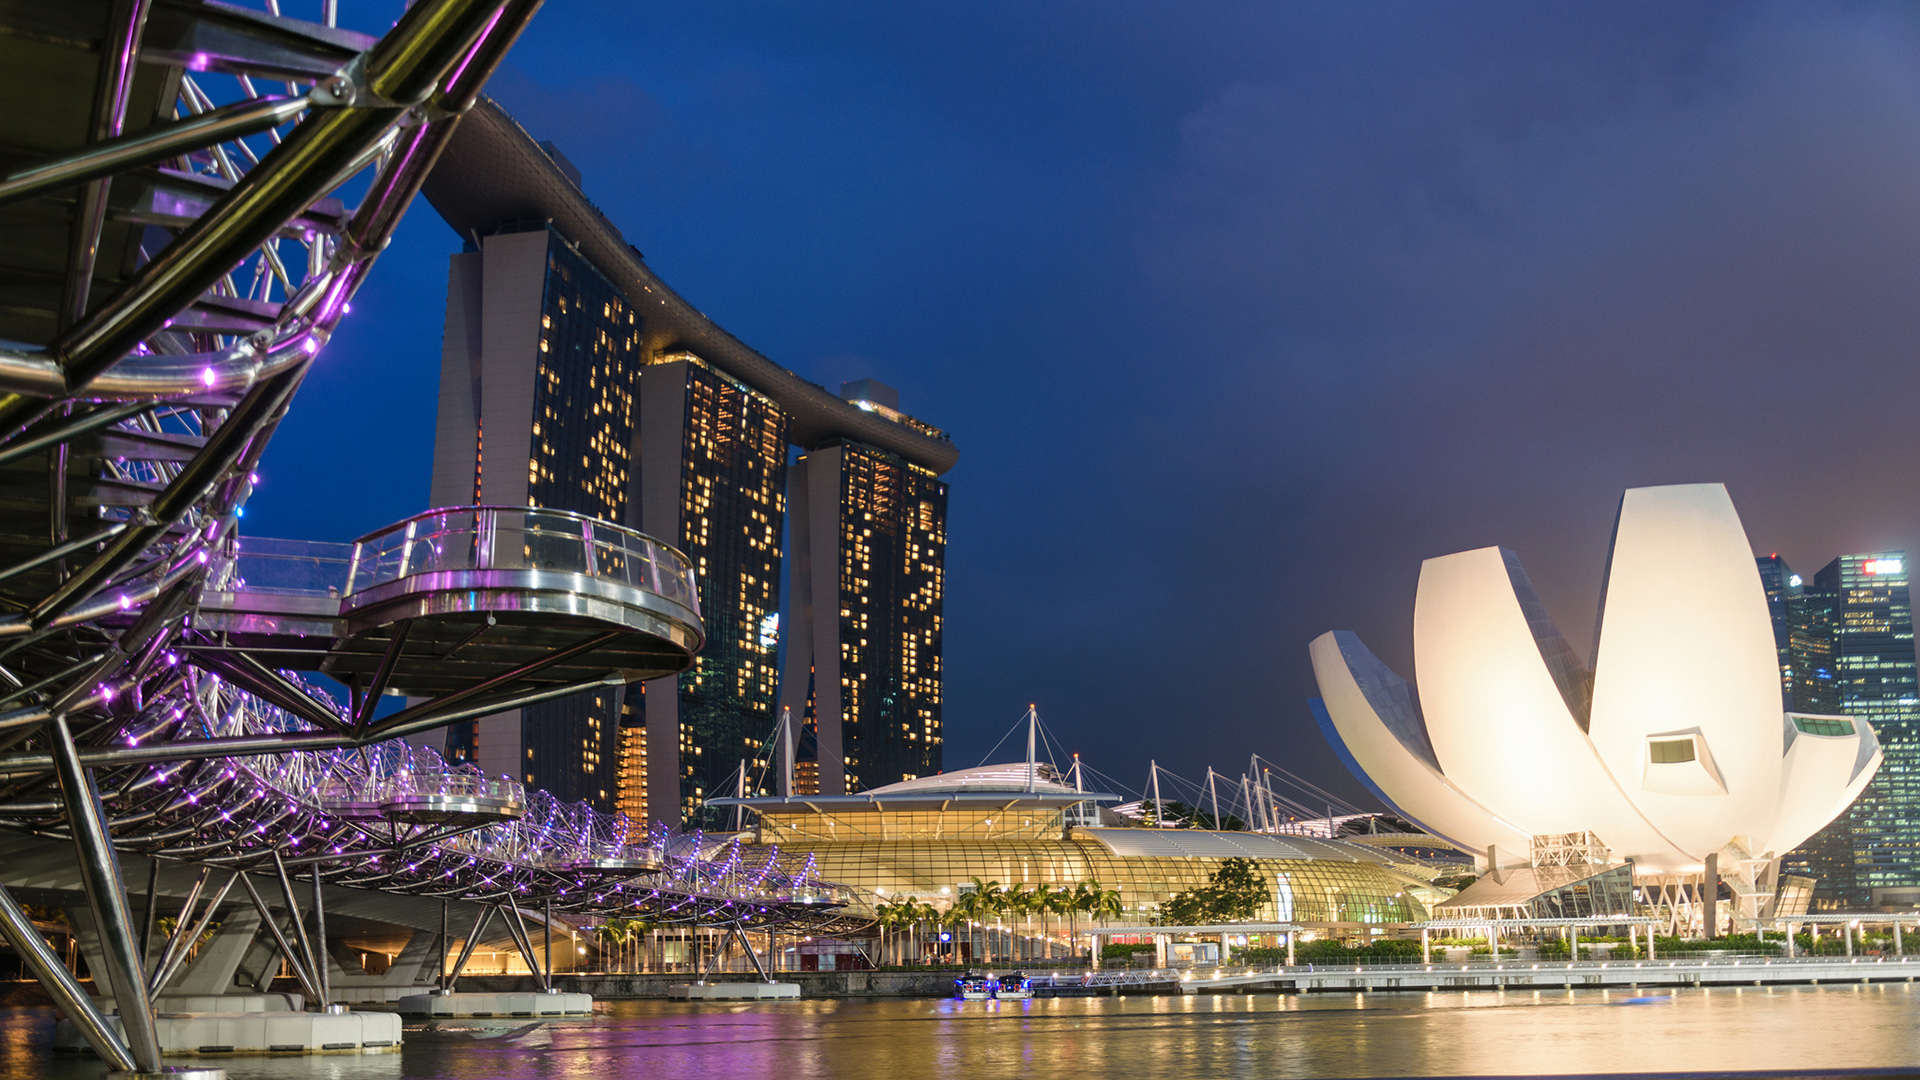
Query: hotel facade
{"x": 574, "y": 378}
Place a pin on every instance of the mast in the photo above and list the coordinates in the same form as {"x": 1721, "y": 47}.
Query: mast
{"x": 1079, "y": 787}
{"x": 787, "y": 752}
{"x": 1265, "y": 814}
{"x": 1214, "y": 792}
{"x": 1033, "y": 725}
{"x": 740, "y": 792}
{"x": 1246, "y": 792}
{"x": 1153, "y": 781}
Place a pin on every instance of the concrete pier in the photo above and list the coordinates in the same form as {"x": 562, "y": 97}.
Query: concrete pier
{"x": 735, "y": 991}
{"x": 276, "y": 1032}
{"x": 482, "y": 1004}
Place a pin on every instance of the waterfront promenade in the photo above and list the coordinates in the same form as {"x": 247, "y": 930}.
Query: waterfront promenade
{"x": 1299, "y": 978}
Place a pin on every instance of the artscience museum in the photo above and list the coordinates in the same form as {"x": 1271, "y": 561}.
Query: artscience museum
{"x": 1668, "y": 751}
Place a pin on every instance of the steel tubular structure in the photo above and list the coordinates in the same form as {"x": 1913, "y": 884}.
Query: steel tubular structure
{"x": 176, "y": 264}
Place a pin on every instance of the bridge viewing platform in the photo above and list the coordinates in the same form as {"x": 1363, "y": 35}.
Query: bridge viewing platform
{"x": 510, "y": 599}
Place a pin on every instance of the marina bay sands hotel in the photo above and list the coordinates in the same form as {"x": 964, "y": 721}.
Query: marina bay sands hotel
{"x": 573, "y": 378}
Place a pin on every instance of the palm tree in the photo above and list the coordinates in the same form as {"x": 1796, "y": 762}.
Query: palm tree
{"x": 929, "y": 916}
{"x": 1019, "y": 902}
{"x": 1042, "y": 903}
{"x": 990, "y": 899}
{"x": 891, "y": 917}
{"x": 960, "y": 911}
{"x": 614, "y": 933}
{"x": 1059, "y": 902}
{"x": 911, "y": 912}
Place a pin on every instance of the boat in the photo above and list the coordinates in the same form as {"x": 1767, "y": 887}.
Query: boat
{"x": 988, "y": 987}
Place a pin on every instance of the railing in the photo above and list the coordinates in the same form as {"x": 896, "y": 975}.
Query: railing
{"x": 1237, "y": 971}
{"x": 518, "y": 538}
{"x": 290, "y": 567}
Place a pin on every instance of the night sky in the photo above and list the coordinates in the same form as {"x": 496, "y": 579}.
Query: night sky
{"x": 1238, "y": 311}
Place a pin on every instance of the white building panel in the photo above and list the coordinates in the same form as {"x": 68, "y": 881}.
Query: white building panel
{"x": 1686, "y": 662}
{"x": 1500, "y": 723}
{"x": 1416, "y": 788}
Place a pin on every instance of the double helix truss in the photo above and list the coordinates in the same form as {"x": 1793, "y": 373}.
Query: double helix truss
{"x": 400, "y": 818}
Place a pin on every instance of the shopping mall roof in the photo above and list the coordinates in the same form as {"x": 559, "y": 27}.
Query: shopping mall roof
{"x": 1205, "y": 844}
{"x": 1010, "y": 786}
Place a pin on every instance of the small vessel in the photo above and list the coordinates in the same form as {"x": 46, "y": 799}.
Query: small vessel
{"x": 989, "y": 987}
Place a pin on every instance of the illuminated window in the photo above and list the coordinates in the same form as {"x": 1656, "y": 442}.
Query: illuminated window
{"x": 1670, "y": 751}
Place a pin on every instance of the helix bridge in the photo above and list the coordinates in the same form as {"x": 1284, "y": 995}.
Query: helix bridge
{"x": 399, "y": 818}
{"x": 186, "y": 212}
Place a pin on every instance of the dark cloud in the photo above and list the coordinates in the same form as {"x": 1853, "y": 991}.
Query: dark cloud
{"x": 1240, "y": 311}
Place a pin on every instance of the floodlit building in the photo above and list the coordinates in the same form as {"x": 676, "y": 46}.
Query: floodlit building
{"x": 1019, "y": 824}
{"x": 1671, "y": 749}
{"x": 573, "y": 377}
{"x": 864, "y": 641}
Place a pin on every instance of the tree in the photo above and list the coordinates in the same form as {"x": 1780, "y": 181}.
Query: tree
{"x": 987, "y": 899}
{"x": 1019, "y": 902}
{"x": 1235, "y": 892}
{"x": 1058, "y": 902}
{"x": 960, "y": 911}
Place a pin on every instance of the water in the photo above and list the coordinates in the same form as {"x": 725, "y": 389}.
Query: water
{"x": 1773, "y": 1032}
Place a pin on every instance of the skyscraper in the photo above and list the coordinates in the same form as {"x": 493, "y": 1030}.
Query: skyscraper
{"x": 573, "y": 377}
{"x": 539, "y": 368}
{"x": 1849, "y": 640}
{"x": 868, "y": 581}
{"x": 1781, "y": 585}
{"x": 713, "y": 480}
{"x": 1874, "y": 662}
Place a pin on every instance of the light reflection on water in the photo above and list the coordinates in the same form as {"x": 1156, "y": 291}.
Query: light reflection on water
{"x": 1811, "y": 1031}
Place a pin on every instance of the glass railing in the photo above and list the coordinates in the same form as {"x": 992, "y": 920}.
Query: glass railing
{"x": 291, "y": 567}
{"x": 515, "y": 538}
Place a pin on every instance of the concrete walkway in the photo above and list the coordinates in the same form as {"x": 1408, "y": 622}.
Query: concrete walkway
{"x": 1559, "y": 974}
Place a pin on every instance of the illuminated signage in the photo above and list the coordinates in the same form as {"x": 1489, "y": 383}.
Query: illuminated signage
{"x": 1882, "y": 566}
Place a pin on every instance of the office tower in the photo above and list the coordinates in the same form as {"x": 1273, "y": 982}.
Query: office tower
{"x": 540, "y": 365}
{"x": 867, "y": 582}
{"x": 1850, "y": 651}
{"x": 712, "y": 482}
{"x": 1874, "y": 662}
{"x": 641, "y": 410}
{"x": 1781, "y": 585}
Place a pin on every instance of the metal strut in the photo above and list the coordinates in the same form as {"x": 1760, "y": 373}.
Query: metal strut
{"x": 293, "y": 959}
{"x": 61, "y": 985}
{"x": 107, "y": 896}
{"x": 466, "y": 948}
{"x": 523, "y": 941}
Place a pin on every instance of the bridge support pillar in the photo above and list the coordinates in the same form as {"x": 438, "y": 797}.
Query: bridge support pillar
{"x": 212, "y": 971}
